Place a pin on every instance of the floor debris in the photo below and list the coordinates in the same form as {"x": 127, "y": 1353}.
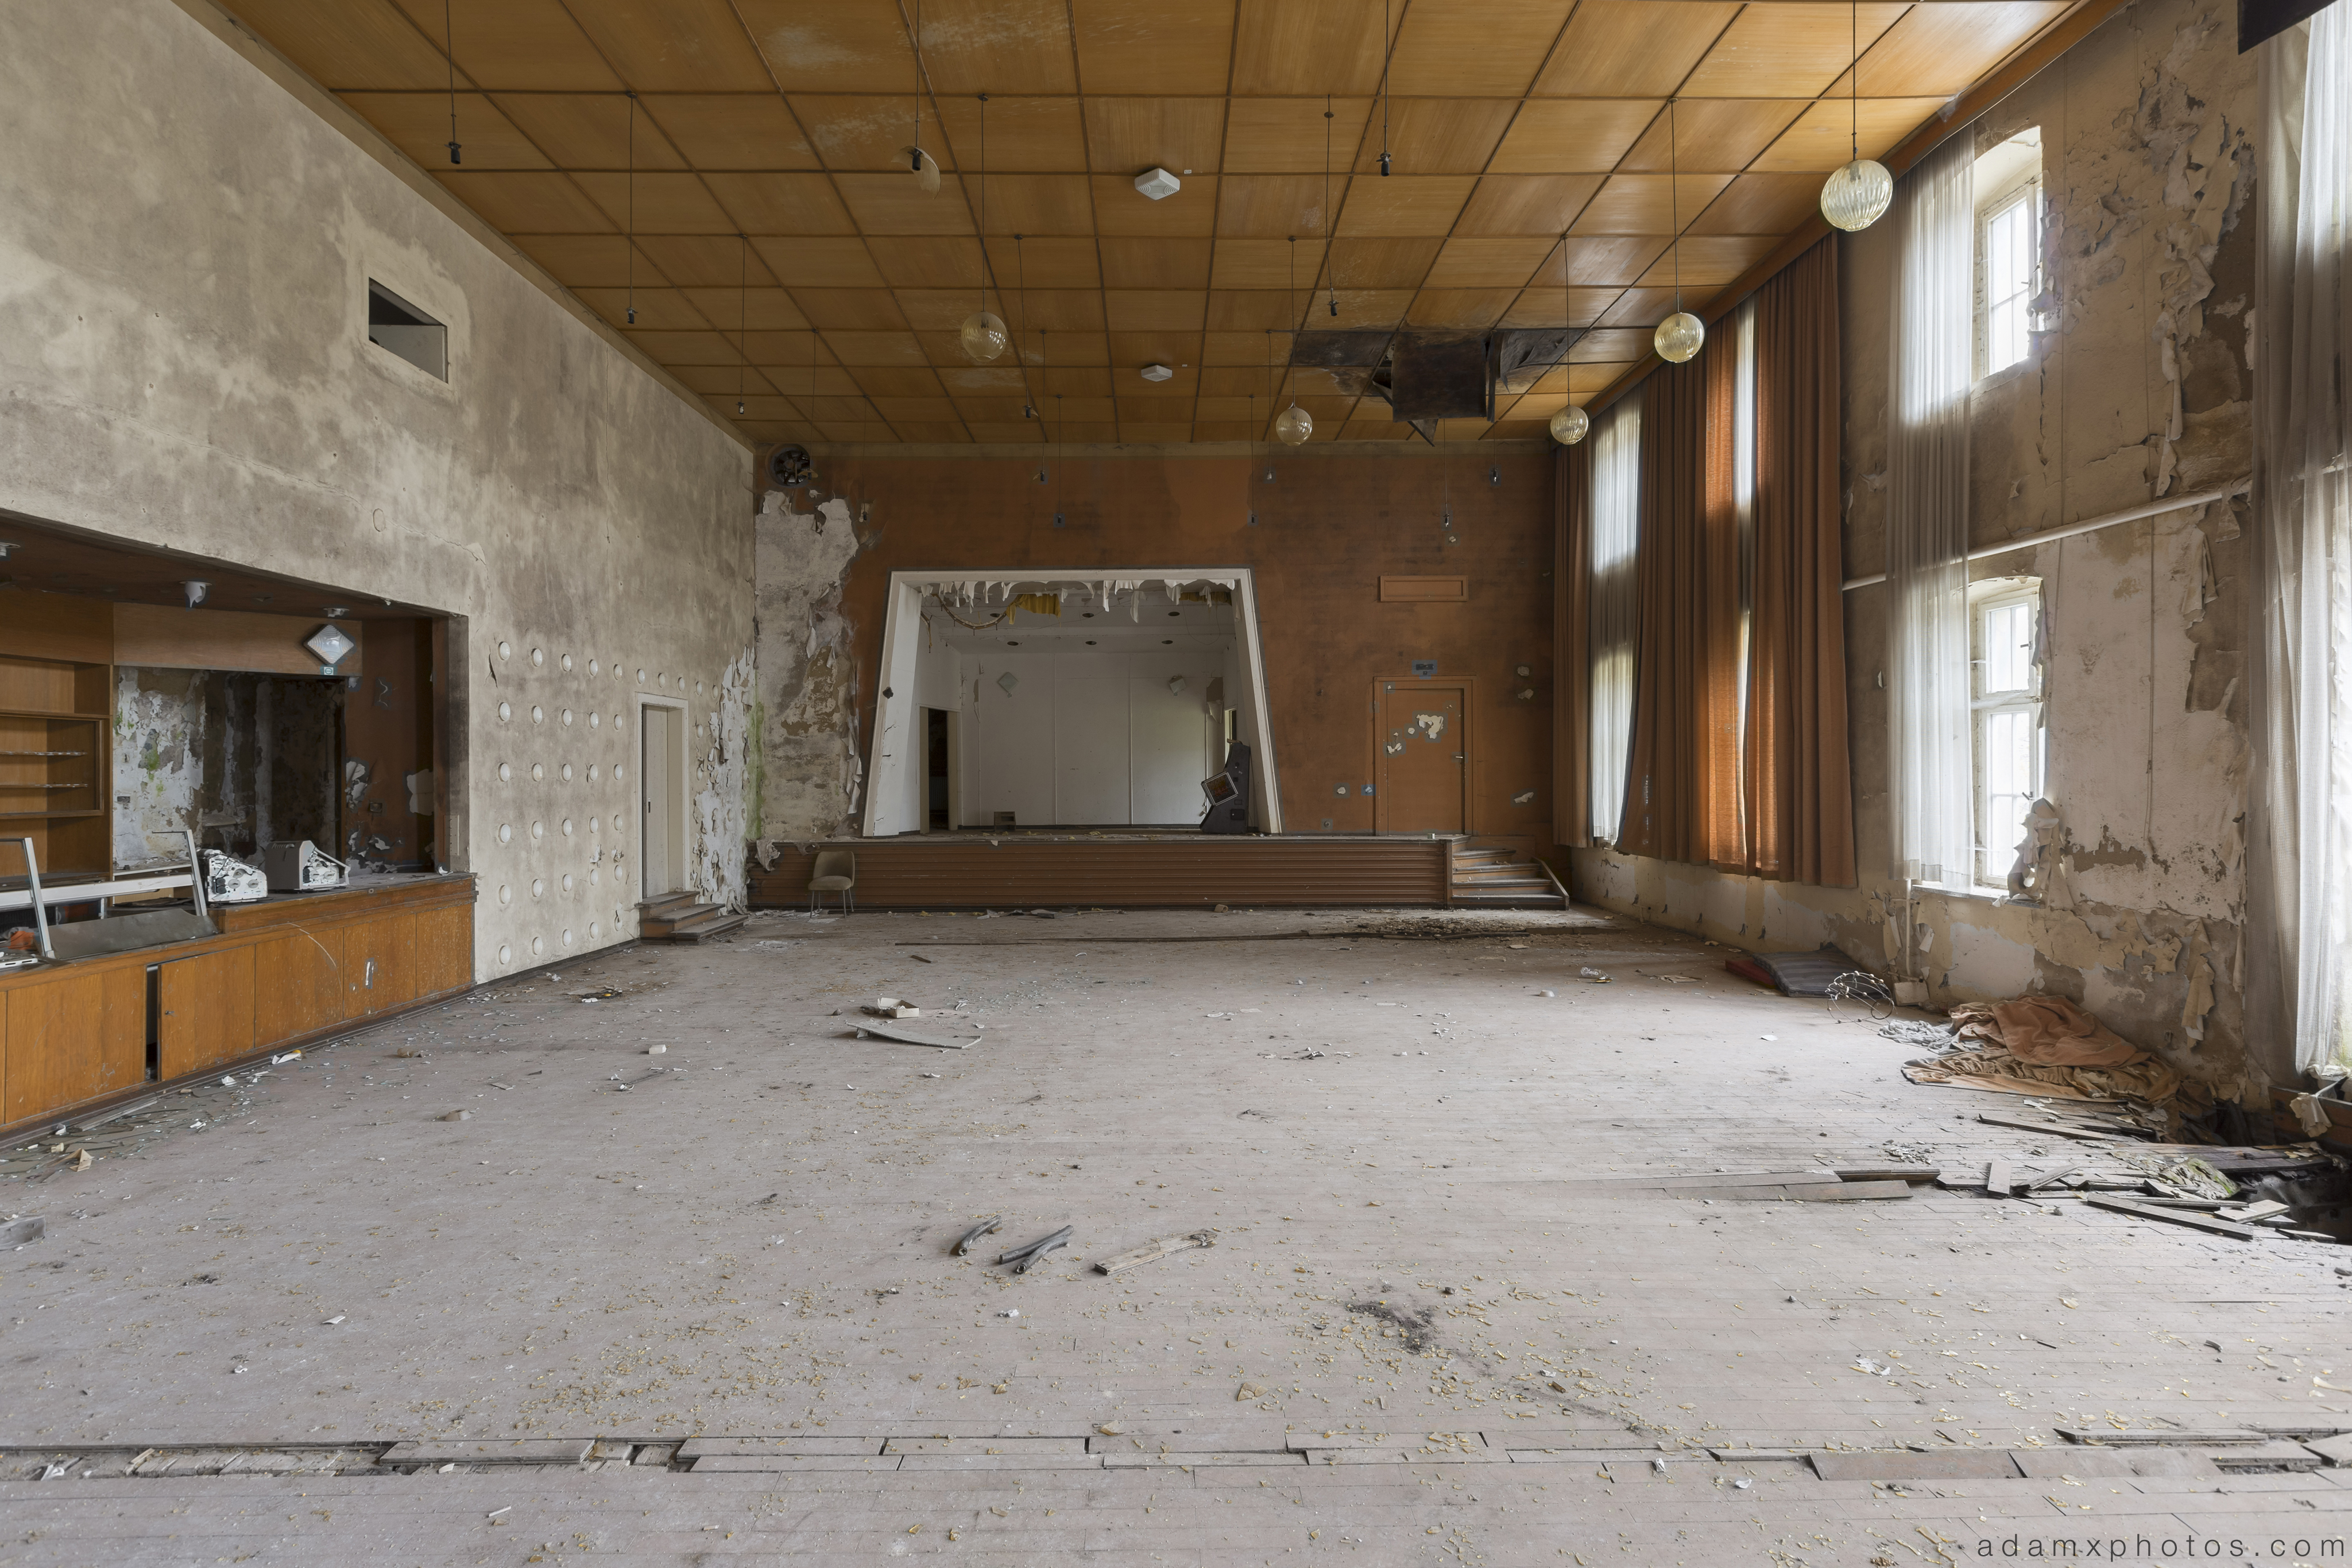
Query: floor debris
{"x": 1152, "y": 1251}
{"x": 986, "y": 1227}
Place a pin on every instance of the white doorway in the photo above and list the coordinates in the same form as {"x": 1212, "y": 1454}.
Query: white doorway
{"x": 661, "y": 782}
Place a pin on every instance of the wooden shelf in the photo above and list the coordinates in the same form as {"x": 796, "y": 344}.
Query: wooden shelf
{"x": 44, "y": 816}
{"x": 52, "y": 713}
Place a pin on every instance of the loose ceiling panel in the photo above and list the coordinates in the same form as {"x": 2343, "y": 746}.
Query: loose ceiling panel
{"x": 773, "y": 234}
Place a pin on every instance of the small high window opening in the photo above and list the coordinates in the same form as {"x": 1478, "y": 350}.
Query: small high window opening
{"x": 396, "y": 326}
{"x": 2009, "y": 250}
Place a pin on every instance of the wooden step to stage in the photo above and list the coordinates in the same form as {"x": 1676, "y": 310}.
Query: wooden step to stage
{"x": 1489, "y": 875}
{"x": 683, "y": 917}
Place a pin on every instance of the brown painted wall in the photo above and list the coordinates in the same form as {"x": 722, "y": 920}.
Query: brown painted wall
{"x": 1327, "y": 529}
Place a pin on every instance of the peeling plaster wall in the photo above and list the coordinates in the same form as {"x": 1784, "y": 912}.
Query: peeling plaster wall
{"x": 809, "y": 766}
{"x": 243, "y": 759}
{"x": 2139, "y": 391}
{"x": 186, "y": 235}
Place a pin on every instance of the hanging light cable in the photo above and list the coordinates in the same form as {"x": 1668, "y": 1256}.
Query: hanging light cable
{"x": 1331, "y": 283}
{"x": 983, "y": 334}
{"x": 1857, "y": 196}
{"x": 926, "y": 168}
{"x": 1020, "y": 328}
{"x": 449, "y": 53}
{"x": 1571, "y": 424}
{"x": 1387, "y": 48}
{"x": 1293, "y": 424}
{"x": 1679, "y": 335}
{"x": 632, "y": 236}
{"x": 742, "y": 312}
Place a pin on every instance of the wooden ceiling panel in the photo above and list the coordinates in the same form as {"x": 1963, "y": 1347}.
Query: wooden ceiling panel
{"x": 1709, "y": 261}
{"x": 352, "y": 45}
{"x": 1489, "y": 48}
{"x": 1460, "y": 307}
{"x": 1299, "y": 46}
{"x": 1287, "y": 135}
{"x": 1938, "y": 49}
{"x": 662, "y": 203}
{"x": 896, "y": 204}
{"x": 1640, "y": 308}
{"x": 1633, "y": 48}
{"x": 867, "y": 131}
{"x": 530, "y": 45}
{"x": 782, "y": 203}
{"x": 1246, "y": 311}
{"x": 1043, "y": 315}
{"x": 875, "y": 347}
{"x": 879, "y": 382}
{"x": 1225, "y": 408}
{"x": 1049, "y": 204}
{"x": 1075, "y": 381}
{"x": 418, "y": 124}
{"x": 963, "y": 378}
{"x": 842, "y": 46}
{"x": 705, "y": 261}
{"x": 933, "y": 434}
{"x": 588, "y": 261}
{"x": 731, "y": 130}
{"x": 1380, "y": 263}
{"x": 1035, "y": 135}
{"x": 1580, "y": 136}
{"x": 1403, "y": 204}
{"x": 1761, "y": 205}
{"x": 1435, "y": 136}
{"x": 1120, "y": 209}
{"x": 1553, "y": 306}
{"x": 1648, "y": 204}
{"x": 756, "y": 309}
{"x": 1153, "y": 46}
{"x": 857, "y": 310}
{"x": 1788, "y": 48}
{"x": 930, "y": 261}
{"x": 675, "y": 45}
{"x": 1272, "y": 206}
{"x": 1128, "y": 135}
{"x": 589, "y": 130}
{"x": 793, "y": 361}
{"x": 687, "y": 347}
{"x": 1221, "y": 379}
{"x": 1358, "y": 307}
{"x": 1713, "y": 135}
{"x": 528, "y": 204}
{"x": 1821, "y": 139}
{"x": 900, "y": 410}
{"x": 1604, "y": 261}
{"x": 714, "y": 379}
{"x": 1594, "y": 377}
{"x": 661, "y": 309}
{"x": 1154, "y": 310}
{"x": 820, "y": 262}
{"x": 1526, "y": 204}
{"x": 1263, "y": 264}
{"x": 1068, "y": 348}
{"x": 1045, "y": 261}
{"x": 998, "y": 46}
{"x": 1132, "y": 263}
{"x": 1131, "y": 351}
{"x": 1482, "y": 263}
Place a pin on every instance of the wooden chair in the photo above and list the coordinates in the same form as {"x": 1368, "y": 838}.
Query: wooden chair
{"x": 836, "y": 871}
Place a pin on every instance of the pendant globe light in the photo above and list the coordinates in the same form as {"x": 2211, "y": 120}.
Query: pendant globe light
{"x": 1680, "y": 335}
{"x": 983, "y": 334}
{"x": 1570, "y": 424}
{"x": 1293, "y": 424}
{"x": 1857, "y": 196}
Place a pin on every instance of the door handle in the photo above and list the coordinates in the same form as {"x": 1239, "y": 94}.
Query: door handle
{"x": 370, "y": 982}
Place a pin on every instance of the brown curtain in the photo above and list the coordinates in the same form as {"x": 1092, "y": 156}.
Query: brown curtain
{"x": 1798, "y": 778}
{"x": 1682, "y": 790}
{"x": 1571, "y": 689}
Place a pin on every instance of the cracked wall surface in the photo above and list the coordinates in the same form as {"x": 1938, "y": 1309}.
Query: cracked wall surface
{"x": 809, "y": 765}
{"x": 2137, "y": 391}
{"x": 184, "y": 364}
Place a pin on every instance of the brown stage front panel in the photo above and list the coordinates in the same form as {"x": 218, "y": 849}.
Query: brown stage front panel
{"x": 968, "y": 872}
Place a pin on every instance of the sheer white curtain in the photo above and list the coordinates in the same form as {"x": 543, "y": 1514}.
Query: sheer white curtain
{"x": 1928, "y": 519}
{"x": 2300, "y": 859}
{"x": 1616, "y": 513}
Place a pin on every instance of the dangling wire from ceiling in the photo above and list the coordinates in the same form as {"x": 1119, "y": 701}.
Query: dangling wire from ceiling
{"x": 631, "y": 238}
{"x": 1387, "y": 48}
{"x": 742, "y": 313}
{"x": 1330, "y": 283}
{"x": 449, "y": 53}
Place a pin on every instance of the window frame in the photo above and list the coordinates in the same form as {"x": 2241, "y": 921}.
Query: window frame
{"x": 1992, "y": 860}
{"x": 1995, "y": 199}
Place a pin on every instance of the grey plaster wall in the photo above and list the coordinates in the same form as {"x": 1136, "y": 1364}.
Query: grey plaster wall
{"x": 2138, "y": 390}
{"x": 184, "y": 253}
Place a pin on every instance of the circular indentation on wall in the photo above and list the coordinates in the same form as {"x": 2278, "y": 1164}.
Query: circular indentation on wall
{"x": 506, "y": 712}
{"x": 592, "y": 666}
{"x": 567, "y": 937}
{"x": 538, "y": 946}
{"x": 641, "y": 678}
{"x": 618, "y": 721}
{"x": 618, "y": 771}
{"x": 592, "y": 773}
{"x": 567, "y": 827}
{"x": 506, "y": 953}
{"x": 567, "y": 773}
{"x": 506, "y": 773}
{"x": 537, "y": 831}
{"x": 593, "y": 932}
{"x": 506, "y": 832}
{"x": 537, "y": 770}
{"x": 537, "y": 658}
{"x": 595, "y": 720}
{"x": 660, "y": 679}
{"x": 593, "y": 878}
{"x": 506, "y": 893}
{"x": 538, "y": 715}
{"x": 567, "y": 717}
{"x": 697, "y": 688}
{"x": 567, "y": 882}
{"x": 538, "y": 888}
{"x": 504, "y": 651}
{"x": 617, "y": 821}
{"x": 566, "y": 661}
{"x": 595, "y": 823}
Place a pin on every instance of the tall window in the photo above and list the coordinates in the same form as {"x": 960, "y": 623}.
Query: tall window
{"x": 1743, "y": 502}
{"x": 1616, "y": 511}
{"x": 2008, "y": 182}
{"x": 2005, "y": 692}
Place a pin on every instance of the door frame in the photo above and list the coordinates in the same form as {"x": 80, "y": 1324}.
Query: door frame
{"x": 1469, "y": 687}
{"x": 677, "y": 769}
{"x": 955, "y": 768}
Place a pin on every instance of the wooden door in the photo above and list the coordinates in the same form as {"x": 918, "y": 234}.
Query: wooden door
{"x": 445, "y": 950}
{"x": 72, "y": 1039}
{"x": 205, "y": 1012}
{"x": 658, "y": 857}
{"x": 298, "y": 981}
{"x": 1424, "y": 758}
{"x": 379, "y": 964}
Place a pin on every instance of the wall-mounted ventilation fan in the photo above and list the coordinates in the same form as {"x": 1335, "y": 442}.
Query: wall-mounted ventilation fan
{"x": 789, "y": 466}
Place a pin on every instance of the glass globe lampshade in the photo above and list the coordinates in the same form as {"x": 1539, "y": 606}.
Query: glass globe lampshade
{"x": 1679, "y": 337}
{"x": 983, "y": 336}
{"x": 1568, "y": 425}
{"x": 1293, "y": 425}
{"x": 1857, "y": 196}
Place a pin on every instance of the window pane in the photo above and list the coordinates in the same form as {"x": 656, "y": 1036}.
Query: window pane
{"x": 2008, "y": 648}
{"x": 2009, "y": 281}
{"x": 2008, "y": 782}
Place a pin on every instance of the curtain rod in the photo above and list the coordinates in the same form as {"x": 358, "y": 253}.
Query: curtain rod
{"x": 2092, "y": 526}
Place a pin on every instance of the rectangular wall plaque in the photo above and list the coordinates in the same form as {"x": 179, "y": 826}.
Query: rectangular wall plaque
{"x": 1424, "y": 589}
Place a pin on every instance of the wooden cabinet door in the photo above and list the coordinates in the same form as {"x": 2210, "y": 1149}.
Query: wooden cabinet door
{"x": 298, "y": 985}
{"x": 205, "y": 1012}
{"x": 379, "y": 964}
{"x": 445, "y": 950}
{"x": 72, "y": 1039}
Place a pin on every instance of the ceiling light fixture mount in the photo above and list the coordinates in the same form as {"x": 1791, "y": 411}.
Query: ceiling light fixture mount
{"x": 1680, "y": 335}
{"x": 1857, "y": 196}
{"x": 449, "y": 54}
{"x": 926, "y": 168}
{"x": 1571, "y": 424}
{"x": 1158, "y": 183}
